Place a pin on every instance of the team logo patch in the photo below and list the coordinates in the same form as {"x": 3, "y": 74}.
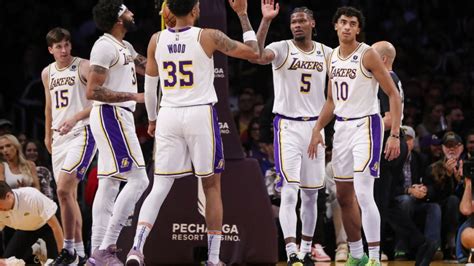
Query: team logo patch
{"x": 375, "y": 167}
{"x": 355, "y": 57}
{"x": 82, "y": 171}
{"x": 73, "y": 67}
{"x": 125, "y": 163}
{"x": 220, "y": 165}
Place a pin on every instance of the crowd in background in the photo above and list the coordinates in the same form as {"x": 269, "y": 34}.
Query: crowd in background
{"x": 434, "y": 63}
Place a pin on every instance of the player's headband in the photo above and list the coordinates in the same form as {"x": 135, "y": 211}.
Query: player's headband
{"x": 122, "y": 10}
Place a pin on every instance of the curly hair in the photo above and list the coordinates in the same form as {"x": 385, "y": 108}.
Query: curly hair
{"x": 349, "y": 12}
{"x": 181, "y": 8}
{"x": 105, "y": 13}
{"x": 303, "y": 9}
{"x": 57, "y": 35}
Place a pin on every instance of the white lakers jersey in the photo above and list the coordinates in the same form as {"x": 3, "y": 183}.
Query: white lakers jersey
{"x": 68, "y": 93}
{"x": 354, "y": 89}
{"x": 118, "y": 57}
{"x": 186, "y": 72}
{"x": 299, "y": 82}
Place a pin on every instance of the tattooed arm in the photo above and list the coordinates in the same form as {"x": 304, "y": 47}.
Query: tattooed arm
{"x": 212, "y": 40}
{"x": 96, "y": 90}
{"x": 140, "y": 64}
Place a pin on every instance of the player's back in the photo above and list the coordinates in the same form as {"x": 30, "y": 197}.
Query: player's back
{"x": 186, "y": 72}
{"x": 354, "y": 88}
{"x": 300, "y": 81}
{"x": 68, "y": 93}
{"x": 118, "y": 57}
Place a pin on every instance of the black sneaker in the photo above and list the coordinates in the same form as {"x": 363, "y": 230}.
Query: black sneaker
{"x": 293, "y": 260}
{"x": 425, "y": 253}
{"x": 82, "y": 260}
{"x": 65, "y": 258}
{"x": 308, "y": 260}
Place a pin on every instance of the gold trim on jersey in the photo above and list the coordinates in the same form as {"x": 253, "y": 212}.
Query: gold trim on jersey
{"x": 108, "y": 142}
{"x": 308, "y": 187}
{"x": 158, "y": 34}
{"x": 175, "y": 173}
{"x": 83, "y": 153}
{"x": 115, "y": 40}
{"x": 304, "y": 52}
{"x": 325, "y": 58}
{"x": 199, "y": 35}
{"x": 369, "y": 128}
{"x": 122, "y": 128}
{"x": 116, "y": 61}
{"x": 66, "y": 67}
{"x": 362, "y": 68}
{"x": 349, "y": 56}
{"x": 287, "y": 54}
{"x": 49, "y": 79}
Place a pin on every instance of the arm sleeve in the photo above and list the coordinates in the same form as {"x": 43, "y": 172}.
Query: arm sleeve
{"x": 280, "y": 49}
{"x": 103, "y": 54}
{"x": 151, "y": 97}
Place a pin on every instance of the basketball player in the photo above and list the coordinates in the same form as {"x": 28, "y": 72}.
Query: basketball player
{"x": 299, "y": 78}
{"x": 355, "y": 69}
{"x": 68, "y": 136}
{"x": 112, "y": 84}
{"x": 187, "y": 135}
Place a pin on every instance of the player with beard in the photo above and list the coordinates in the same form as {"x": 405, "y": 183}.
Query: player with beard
{"x": 299, "y": 77}
{"x": 112, "y": 84}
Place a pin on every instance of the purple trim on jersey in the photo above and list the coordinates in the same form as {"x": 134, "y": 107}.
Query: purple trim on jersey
{"x": 88, "y": 154}
{"x": 123, "y": 160}
{"x": 219, "y": 150}
{"x": 376, "y": 139}
{"x": 179, "y": 30}
{"x": 277, "y": 147}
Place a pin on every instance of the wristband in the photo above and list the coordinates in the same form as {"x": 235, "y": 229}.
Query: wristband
{"x": 249, "y": 36}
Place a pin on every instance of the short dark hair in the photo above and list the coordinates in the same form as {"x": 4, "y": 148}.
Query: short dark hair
{"x": 303, "y": 9}
{"x": 105, "y": 14}
{"x": 4, "y": 189}
{"x": 57, "y": 35}
{"x": 349, "y": 12}
{"x": 181, "y": 8}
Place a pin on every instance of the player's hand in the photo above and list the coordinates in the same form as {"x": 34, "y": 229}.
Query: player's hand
{"x": 151, "y": 128}
{"x": 392, "y": 148}
{"x": 239, "y": 6}
{"x": 47, "y": 143}
{"x": 316, "y": 139}
{"x": 67, "y": 125}
{"x": 139, "y": 97}
{"x": 269, "y": 9}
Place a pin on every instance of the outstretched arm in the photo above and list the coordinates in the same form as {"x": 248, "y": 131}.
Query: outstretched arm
{"x": 140, "y": 64}
{"x": 269, "y": 12}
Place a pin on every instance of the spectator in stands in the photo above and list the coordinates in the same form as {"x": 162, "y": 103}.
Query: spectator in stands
{"x": 253, "y": 149}
{"x": 442, "y": 179}
{"x": 35, "y": 152}
{"x": 244, "y": 115}
{"x": 16, "y": 170}
{"x": 470, "y": 143}
{"x": 6, "y": 127}
{"x": 465, "y": 236}
{"x": 433, "y": 122}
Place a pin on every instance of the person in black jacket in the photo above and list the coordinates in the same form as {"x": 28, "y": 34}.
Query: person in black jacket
{"x": 391, "y": 171}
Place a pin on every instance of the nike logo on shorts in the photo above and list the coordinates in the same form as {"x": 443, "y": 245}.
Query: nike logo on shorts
{"x": 359, "y": 125}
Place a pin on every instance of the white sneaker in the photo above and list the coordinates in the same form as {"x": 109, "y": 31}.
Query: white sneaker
{"x": 40, "y": 251}
{"x": 342, "y": 253}
{"x": 319, "y": 254}
{"x": 383, "y": 257}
